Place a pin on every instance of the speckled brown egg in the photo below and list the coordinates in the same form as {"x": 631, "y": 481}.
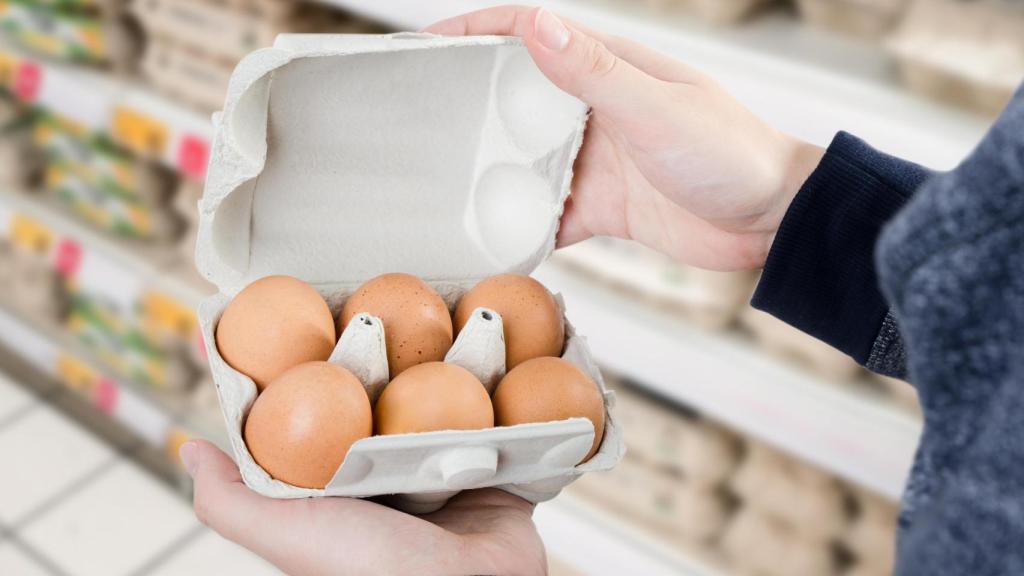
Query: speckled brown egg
{"x": 433, "y": 396}
{"x": 547, "y": 390}
{"x": 273, "y": 324}
{"x": 302, "y": 426}
{"x": 417, "y": 324}
{"x": 533, "y": 323}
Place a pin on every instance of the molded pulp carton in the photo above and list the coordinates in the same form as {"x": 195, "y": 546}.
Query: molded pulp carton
{"x": 338, "y": 158}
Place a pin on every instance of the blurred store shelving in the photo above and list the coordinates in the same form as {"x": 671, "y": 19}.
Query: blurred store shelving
{"x": 746, "y": 438}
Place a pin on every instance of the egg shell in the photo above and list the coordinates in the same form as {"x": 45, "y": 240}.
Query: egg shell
{"x": 433, "y": 396}
{"x": 273, "y": 324}
{"x": 549, "y": 389}
{"x": 302, "y": 426}
{"x": 532, "y": 318}
{"x": 417, "y": 323}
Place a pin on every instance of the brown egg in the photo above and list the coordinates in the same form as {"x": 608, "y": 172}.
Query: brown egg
{"x": 273, "y": 324}
{"x": 533, "y": 323}
{"x": 433, "y": 396}
{"x": 302, "y": 426}
{"x": 546, "y": 390}
{"x": 417, "y": 324}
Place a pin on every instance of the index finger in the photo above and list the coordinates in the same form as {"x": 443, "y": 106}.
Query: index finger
{"x": 509, "y": 20}
{"x": 513, "y": 20}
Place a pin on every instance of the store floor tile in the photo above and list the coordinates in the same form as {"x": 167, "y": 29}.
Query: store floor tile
{"x": 47, "y": 454}
{"x": 13, "y": 399}
{"x": 15, "y": 563}
{"x": 113, "y": 526}
{"x": 211, "y": 554}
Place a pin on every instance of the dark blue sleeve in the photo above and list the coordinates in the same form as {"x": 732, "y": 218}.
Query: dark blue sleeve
{"x": 820, "y": 273}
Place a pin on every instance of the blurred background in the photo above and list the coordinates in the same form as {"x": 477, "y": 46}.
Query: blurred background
{"x": 753, "y": 449}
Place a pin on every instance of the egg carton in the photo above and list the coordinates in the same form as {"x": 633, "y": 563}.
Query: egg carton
{"x": 966, "y": 53}
{"x": 716, "y": 12}
{"x": 227, "y": 29}
{"x": 180, "y": 72}
{"x": 99, "y": 164}
{"x": 781, "y": 339}
{"x": 661, "y": 502}
{"x": 869, "y": 19}
{"x": 89, "y": 36}
{"x": 338, "y": 158}
{"x": 758, "y": 544}
{"x": 709, "y": 299}
{"x": 809, "y": 502}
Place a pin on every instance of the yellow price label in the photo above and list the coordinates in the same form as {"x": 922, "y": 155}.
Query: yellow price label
{"x": 74, "y": 373}
{"x": 140, "y": 132}
{"x": 162, "y": 314}
{"x": 31, "y": 235}
{"x": 175, "y": 438}
{"x": 8, "y": 65}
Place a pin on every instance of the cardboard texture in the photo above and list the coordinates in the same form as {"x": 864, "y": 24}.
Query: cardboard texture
{"x": 338, "y": 158}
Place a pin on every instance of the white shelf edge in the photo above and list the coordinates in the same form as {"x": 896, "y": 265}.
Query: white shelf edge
{"x": 598, "y": 543}
{"x": 850, "y": 434}
{"x": 806, "y": 100}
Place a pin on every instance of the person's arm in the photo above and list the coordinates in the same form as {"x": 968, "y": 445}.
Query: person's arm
{"x": 820, "y": 273}
{"x": 952, "y": 266}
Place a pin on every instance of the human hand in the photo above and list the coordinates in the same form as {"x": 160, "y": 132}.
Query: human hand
{"x": 477, "y": 532}
{"x": 669, "y": 159}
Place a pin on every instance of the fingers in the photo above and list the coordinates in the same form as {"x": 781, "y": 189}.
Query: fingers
{"x": 222, "y": 501}
{"x": 518, "y": 21}
{"x": 507, "y": 20}
{"x": 573, "y": 60}
{"x": 572, "y": 228}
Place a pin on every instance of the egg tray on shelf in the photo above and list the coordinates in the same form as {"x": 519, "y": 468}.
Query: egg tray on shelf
{"x": 108, "y": 210}
{"x": 457, "y": 155}
{"x": 180, "y": 72}
{"x": 128, "y": 352}
{"x": 966, "y": 53}
{"x": 20, "y": 163}
{"x": 868, "y": 19}
{"x": 100, "y": 164}
{"x": 718, "y": 12}
{"x": 71, "y": 32}
{"x": 711, "y": 300}
{"x": 101, "y": 184}
{"x": 180, "y": 61}
{"x": 239, "y": 26}
{"x": 747, "y": 509}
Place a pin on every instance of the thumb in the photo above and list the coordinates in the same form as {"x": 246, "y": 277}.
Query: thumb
{"x": 220, "y": 499}
{"x": 584, "y": 67}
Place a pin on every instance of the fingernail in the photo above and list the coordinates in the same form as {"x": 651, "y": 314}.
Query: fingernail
{"x": 189, "y": 454}
{"x": 550, "y": 31}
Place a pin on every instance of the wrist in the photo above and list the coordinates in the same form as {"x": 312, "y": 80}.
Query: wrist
{"x": 800, "y": 159}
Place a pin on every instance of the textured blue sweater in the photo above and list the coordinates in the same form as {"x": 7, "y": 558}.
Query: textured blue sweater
{"x": 921, "y": 275}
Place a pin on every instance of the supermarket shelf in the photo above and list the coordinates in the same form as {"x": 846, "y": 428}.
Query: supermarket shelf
{"x": 598, "y": 543}
{"x": 157, "y": 420}
{"x": 121, "y": 270}
{"x": 832, "y": 425}
{"x": 134, "y": 117}
{"x": 804, "y": 82}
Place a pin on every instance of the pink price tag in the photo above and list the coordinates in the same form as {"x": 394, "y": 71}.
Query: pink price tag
{"x": 193, "y": 154}
{"x": 105, "y": 395}
{"x": 68, "y": 257}
{"x": 27, "y": 80}
{"x": 201, "y": 345}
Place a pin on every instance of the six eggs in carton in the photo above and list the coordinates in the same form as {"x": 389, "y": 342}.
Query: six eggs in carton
{"x": 279, "y": 332}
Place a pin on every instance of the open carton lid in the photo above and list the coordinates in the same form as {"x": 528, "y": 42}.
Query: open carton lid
{"x": 327, "y": 170}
